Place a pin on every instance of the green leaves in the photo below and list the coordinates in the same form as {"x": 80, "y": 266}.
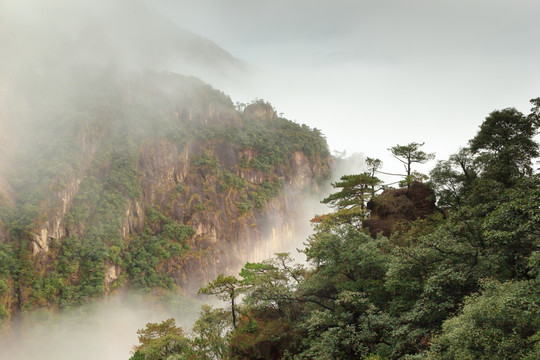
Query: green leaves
{"x": 211, "y": 334}
{"x": 226, "y": 288}
{"x": 409, "y": 154}
{"x": 505, "y": 145}
{"x": 160, "y": 341}
{"x": 351, "y": 201}
{"x": 501, "y": 323}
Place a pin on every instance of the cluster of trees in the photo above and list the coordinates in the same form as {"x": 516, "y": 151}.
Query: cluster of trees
{"x": 462, "y": 283}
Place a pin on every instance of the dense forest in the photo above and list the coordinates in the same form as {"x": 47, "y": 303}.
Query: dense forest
{"x": 457, "y": 279}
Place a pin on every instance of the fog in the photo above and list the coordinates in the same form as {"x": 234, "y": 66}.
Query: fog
{"x": 105, "y": 330}
{"x": 370, "y": 74}
{"x": 51, "y": 52}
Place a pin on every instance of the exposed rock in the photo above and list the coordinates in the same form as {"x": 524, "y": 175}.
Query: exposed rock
{"x": 134, "y": 220}
{"x": 259, "y": 111}
{"x": 302, "y": 170}
{"x": 395, "y": 206}
{"x": 111, "y": 274}
{"x": 67, "y": 186}
{"x": 158, "y": 164}
{"x": 225, "y": 237}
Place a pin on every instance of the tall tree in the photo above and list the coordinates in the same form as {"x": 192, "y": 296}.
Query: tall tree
{"x": 373, "y": 165}
{"x": 161, "y": 341}
{"x": 225, "y": 288}
{"x": 211, "y": 334}
{"x": 501, "y": 323}
{"x": 350, "y": 201}
{"x": 505, "y": 144}
{"x": 408, "y": 155}
{"x": 453, "y": 178}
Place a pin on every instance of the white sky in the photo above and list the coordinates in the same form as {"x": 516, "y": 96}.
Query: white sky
{"x": 372, "y": 73}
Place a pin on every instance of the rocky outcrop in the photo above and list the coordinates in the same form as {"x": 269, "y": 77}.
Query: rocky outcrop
{"x": 144, "y": 178}
{"x": 260, "y": 111}
{"x": 111, "y": 274}
{"x": 54, "y": 227}
{"x": 303, "y": 171}
{"x": 397, "y": 206}
{"x": 63, "y": 192}
{"x": 221, "y": 245}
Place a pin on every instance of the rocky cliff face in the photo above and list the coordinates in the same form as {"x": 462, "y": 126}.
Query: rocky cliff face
{"x": 175, "y": 182}
{"x": 151, "y": 181}
{"x": 63, "y": 191}
{"x": 228, "y": 230}
{"x": 114, "y": 177}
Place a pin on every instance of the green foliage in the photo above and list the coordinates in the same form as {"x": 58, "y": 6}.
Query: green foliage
{"x": 211, "y": 334}
{"x": 460, "y": 284}
{"x": 274, "y": 141}
{"x": 503, "y": 322}
{"x": 228, "y": 180}
{"x": 263, "y": 193}
{"x": 408, "y": 155}
{"x": 452, "y": 179}
{"x": 199, "y": 206}
{"x": 243, "y": 206}
{"x": 160, "y": 341}
{"x": 355, "y": 191}
{"x": 206, "y": 160}
{"x": 226, "y": 288}
{"x": 353, "y": 329}
{"x": 84, "y": 154}
{"x": 347, "y": 259}
{"x": 271, "y": 284}
{"x": 505, "y": 145}
{"x": 350, "y": 202}
{"x": 163, "y": 239}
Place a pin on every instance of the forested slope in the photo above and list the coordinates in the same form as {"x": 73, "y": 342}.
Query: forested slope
{"x": 141, "y": 180}
{"x": 460, "y": 281}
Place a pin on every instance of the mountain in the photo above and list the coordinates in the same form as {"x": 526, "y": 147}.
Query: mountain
{"x": 115, "y": 177}
{"x": 155, "y": 180}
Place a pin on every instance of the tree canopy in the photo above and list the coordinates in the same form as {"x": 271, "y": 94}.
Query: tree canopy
{"x": 505, "y": 145}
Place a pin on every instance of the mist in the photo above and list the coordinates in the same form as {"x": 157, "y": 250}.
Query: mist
{"x": 373, "y": 74}
{"x": 360, "y": 71}
{"x": 106, "y": 329}
{"x": 61, "y": 59}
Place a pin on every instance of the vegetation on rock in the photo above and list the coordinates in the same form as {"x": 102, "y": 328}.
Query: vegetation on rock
{"x": 457, "y": 282}
{"x": 118, "y": 169}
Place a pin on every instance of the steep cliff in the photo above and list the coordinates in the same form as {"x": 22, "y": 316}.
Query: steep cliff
{"x": 147, "y": 181}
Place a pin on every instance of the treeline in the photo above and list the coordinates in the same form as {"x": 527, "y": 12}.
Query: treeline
{"x": 461, "y": 283}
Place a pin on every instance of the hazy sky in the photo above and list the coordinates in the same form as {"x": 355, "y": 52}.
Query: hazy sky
{"x": 374, "y": 73}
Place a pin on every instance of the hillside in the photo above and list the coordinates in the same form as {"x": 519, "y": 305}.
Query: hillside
{"x": 142, "y": 180}
{"x": 391, "y": 275}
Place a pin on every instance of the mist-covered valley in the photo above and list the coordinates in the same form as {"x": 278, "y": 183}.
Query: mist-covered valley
{"x": 147, "y": 214}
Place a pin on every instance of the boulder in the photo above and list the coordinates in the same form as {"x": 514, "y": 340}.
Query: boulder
{"x": 396, "y": 206}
